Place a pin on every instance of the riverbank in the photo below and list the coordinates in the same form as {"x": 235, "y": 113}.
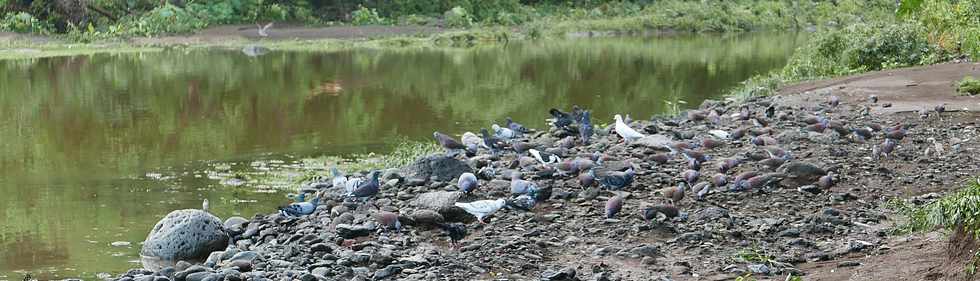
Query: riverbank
{"x": 784, "y": 224}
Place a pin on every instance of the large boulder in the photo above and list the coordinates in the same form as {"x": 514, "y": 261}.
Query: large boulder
{"x": 442, "y": 202}
{"x": 442, "y": 167}
{"x": 188, "y": 235}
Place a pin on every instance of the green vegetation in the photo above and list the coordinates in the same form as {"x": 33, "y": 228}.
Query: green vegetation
{"x": 930, "y": 32}
{"x": 957, "y": 210}
{"x": 107, "y": 19}
{"x": 969, "y": 86}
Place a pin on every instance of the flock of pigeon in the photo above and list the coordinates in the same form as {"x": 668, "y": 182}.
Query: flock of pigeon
{"x": 578, "y": 130}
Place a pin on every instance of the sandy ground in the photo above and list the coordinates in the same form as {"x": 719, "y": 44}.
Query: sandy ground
{"x": 928, "y": 256}
{"x": 907, "y": 89}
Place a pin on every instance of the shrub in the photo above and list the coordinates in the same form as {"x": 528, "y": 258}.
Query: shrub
{"x": 458, "y": 17}
{"x": 366, "y": 16}
{"x": 24, "y": 22}
{"x": 166, "y": 19}
{"x": 859, "y": 48}
{"x": 969, "y": 86}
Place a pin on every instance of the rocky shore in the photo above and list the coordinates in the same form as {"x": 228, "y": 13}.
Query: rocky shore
{"x": 827, "y": 180}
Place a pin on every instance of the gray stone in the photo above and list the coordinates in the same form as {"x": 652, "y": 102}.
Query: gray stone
{"x": 656, "y": 141}
{"x": 711, "y": 213}
{"x": 182, "y": 275}
{"x": 646, "y": 251}
{"x": 442, "y": 167}
{"x": 235, "y": 224}
{"x": 759, "y": 269}
{"x": 348, "y": 231}
{"x": 387, "y": 271}
{"x": 442, "y": 202}
{"x": 321, "y": 271}
{"x": 214, "y": 258}
{"x": 200, "y": 276}
{"x": 246, "y": 256}
{"x": 426, "y": 218}
{"x": 189, "y": 235}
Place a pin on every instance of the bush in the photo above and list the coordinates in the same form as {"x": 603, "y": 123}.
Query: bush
{"x": 458, "y": 17}
{"x": 859, "y": 48}
{"x": 166, "y": 19}
{"x": 969, "y": 86}
{"x": 24, "y": 22}
{"x": 366, "y": 16}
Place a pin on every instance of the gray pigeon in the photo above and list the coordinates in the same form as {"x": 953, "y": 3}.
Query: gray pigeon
{"x": 369, "y": 187}
{"x": 613, "y": 206}
{"x": 617, "y": 180}
{"x": 448, "y": 142}
{"x": 467, "y": 182}
{"x": 701, "y": 189}
{"x": 519, "y": 186}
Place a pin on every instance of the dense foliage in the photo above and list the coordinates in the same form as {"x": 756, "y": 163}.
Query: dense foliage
{"x": 929, "y": 31}
{"x": 94, "y": 19}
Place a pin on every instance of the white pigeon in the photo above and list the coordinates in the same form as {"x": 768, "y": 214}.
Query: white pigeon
{"x": 552, "y": 159}
{"x": 339, "y": 179}
{"x": 482, "y": 208}
{"x": 263, "y": 29}
{"x": 625, "y": 131}
{"x": 503, "y": 133}
{"x": 471, "y": 141}
{"x": 353, "y": 184}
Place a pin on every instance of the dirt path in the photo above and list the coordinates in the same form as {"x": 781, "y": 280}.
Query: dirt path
{"x": 906, "y": 89}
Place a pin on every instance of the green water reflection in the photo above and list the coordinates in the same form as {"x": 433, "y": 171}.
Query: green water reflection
{"x": 79, "y": 133}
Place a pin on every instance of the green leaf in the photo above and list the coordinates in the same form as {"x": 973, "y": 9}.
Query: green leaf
{"x": 908, "y": 7}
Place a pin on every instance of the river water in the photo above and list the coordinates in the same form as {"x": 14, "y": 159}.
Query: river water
{"x": 95, "y": 149}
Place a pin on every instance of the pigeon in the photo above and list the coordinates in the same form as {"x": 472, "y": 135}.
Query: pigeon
{"x": 873, "y": 98}
{"x": 339, "y": 179}
{"x": 738, "y": 133}
{"x": 389, "y": 220}
{"x": 773, "y": 162}
{"x": 826, "y": 181}
{"x": 455, "y": 231}
{"x": 544, "y": 157}
{"x": 651, "y": 212}
{"x": 728, "y": 164}
{"x": 744, "y": 113}
{"x": 467, "y": 182}
{"x": 520, "y": 147}
{"x": 205, "y": 205}
{"x": 264, "y": 30}
{"x": 482, "y": 208}
{"x": 694, "y": 154}
{"x": 770, "y": 111}
{"x": 764, "y": 141}
{"x": 709, "y": 143}
{"x": 586, "y": 179}
{"x": 674, "y": 194}
{"x": 628, "y": 134}
{"x": 471, "y": 141}
{"x": 503, "y": 133}
{"x": 585, "y": 128}
{"x": 516, "y": 127}
{"x": 524, "y": 202}
{"x": 862, "y": 133}
{"x": 490, "y": 142}
{"x": 714, "y": 117}
{"x": 896, "y": 133}
{"x": 888, "y": 146}
{"x": 834, "y": 101}
{"x": 299, "y": 209}
{"x": 618, "y": 180}
{"x": 690, "y": 176}
{"x": 447, "y": 142}
{"x": 696, "y": 115}
{"x": 737, "y": 182}
{"x": 701, "y": 189}
{"x": 368, "y": 187}
{"x": 660, "y": 158}
{"x": 719, "y": 180}
{"x": 576, "y": 165}
{"x": 562, "y": 120}
{"x": 519, "y": 186}
{"x": 613, "y": 206}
